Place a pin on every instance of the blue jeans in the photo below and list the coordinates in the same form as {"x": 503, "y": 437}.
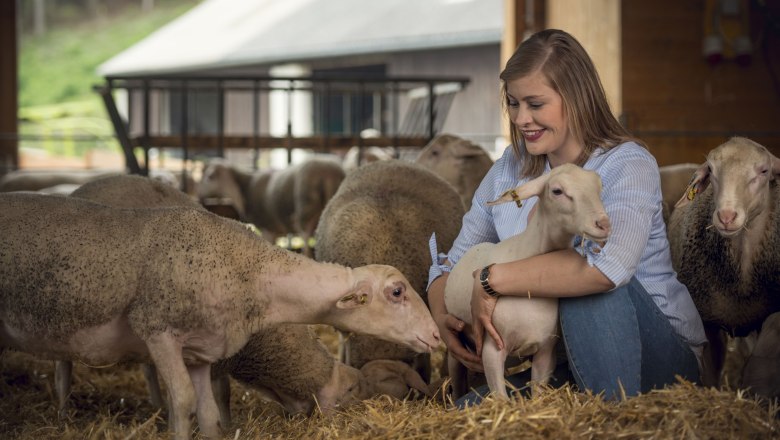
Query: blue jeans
{"x": 613, "y": 339}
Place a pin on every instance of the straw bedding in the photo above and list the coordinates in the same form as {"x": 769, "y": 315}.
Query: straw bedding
{"x": 112, "y": 403}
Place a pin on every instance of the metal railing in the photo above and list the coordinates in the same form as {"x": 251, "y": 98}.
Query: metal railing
{"x": 214, "y": 113}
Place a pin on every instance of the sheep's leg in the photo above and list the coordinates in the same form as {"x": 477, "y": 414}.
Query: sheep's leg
{"x": 760, "y": 373}
{"x": 221, "y": 387}
{"x": 543, "y": 364}
{"x": 457, "y": 372}
{"x": 150, "y": 374}
{"x": 207, "y": 411}
{"x": 714, "y": 356}
{"x": 63, "y": 371}
{"x": 166, "y": 354}
{"x": 493, "y": 361}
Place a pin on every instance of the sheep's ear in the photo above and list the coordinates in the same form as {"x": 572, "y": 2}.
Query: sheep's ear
{"x": 698, "y": 183}
{"x": 775, "y": 165}
{"x": 527, "y": 190}
{"x": 355, "y": 299}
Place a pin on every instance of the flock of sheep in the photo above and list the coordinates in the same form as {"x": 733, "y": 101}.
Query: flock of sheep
{"x": 128, "y": 268}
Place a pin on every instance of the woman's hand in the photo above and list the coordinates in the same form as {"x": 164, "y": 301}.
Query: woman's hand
{"x": 450, "y": 327}
{"x": 482, "y": 306}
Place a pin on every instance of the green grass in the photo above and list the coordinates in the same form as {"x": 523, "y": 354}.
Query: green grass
{"x": 57, "y": 70}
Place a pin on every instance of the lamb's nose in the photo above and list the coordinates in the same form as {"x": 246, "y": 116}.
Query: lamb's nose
{"x": 603, "y": 223}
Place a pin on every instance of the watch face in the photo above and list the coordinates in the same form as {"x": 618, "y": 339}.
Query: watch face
{"x": 483, "y": 276}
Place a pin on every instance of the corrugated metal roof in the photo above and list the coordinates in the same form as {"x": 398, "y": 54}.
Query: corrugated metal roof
{"x": 222, "y": 33}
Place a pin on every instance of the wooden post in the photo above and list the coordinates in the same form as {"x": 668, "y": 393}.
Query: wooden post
{"x": 603, "y": 42}
{"x": 522, "y": 18}
{"x": 9, "y": 88}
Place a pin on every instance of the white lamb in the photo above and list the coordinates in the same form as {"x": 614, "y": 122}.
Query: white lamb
{"x": 569, "y": 204}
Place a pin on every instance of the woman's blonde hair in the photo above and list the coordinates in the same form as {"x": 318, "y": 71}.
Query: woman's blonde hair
{"x": 569, "y": 71}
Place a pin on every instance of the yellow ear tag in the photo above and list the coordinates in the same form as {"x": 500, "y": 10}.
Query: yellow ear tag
{"x": 692, "y": 192}
{"x": 363, "y": 298}
{"x": 516, "y": 198}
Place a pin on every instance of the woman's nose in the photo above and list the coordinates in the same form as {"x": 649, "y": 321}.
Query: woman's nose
{"x": 522, "y": 116}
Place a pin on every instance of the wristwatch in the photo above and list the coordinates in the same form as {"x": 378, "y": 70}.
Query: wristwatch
{"x": 483, "y": 279}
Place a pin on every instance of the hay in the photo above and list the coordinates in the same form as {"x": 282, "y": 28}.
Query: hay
{"x": 112, "y": 403}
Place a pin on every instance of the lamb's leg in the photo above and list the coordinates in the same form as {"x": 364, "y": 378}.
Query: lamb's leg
{"x": 150, "y": 374}
{"x": 714, "y": 355}
{"x": 208, "y": 413}
{"x": 166, "y": 354}
{"x": 543, "y": 364}
{"x": 63, "y": 371}
{"x": 493, "y": 361}
{"x": 221, "y": 387}
{"x": 457, "y": 372}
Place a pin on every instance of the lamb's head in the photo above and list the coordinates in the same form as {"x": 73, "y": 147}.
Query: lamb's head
{"x": 740, "y": 172}
{"x": 570, "y": 196}
{"x": 219, "y": 182}
{"x": 347, "y": 386}
{"x": 383, "y": 304}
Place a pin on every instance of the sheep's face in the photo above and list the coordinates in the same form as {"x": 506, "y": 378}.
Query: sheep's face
{"x": 218, "y": 182}
{"x": 739, "y": 171}
{"x": 573, "y": 195}
{"x": 384, "y": 305}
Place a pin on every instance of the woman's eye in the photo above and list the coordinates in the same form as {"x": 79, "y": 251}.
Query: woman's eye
{"x": 513, "y": 104}
{"x": 535, "y": 105}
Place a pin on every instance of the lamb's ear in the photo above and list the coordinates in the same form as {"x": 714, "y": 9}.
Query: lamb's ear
{"x": 527, "y": 190}
{"x": 697, "y": 184}
{"x": 414, "y": 380}
{"x": 357, "y": 298}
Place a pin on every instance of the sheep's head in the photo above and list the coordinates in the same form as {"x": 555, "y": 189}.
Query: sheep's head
{"x": 571, "y": 196}
{"x": 446, "y": 155}
{"x": 383, "y": 304}
{"x": 740, "y": 172}
{"x": 218, "y": 182}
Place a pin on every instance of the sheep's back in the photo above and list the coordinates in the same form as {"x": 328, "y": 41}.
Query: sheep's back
{"x": 384, "y": 213}
{"x": 64, "y": 265}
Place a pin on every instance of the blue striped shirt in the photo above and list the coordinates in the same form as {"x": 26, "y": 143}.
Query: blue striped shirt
{"x": 637, "y": 246}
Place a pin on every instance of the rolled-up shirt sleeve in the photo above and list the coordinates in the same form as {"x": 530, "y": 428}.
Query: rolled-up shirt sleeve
{"x": 630, "y": 196}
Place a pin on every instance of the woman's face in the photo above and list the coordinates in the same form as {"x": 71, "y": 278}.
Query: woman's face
{"x": 537, "y": 110}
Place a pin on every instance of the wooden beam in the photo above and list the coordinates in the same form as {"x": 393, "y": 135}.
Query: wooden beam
{"x": 9, "y": 88}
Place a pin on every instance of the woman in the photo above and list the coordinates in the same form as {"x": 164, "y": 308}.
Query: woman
{"x": 627, "y": 322}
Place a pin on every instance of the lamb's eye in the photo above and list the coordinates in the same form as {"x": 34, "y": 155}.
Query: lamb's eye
{"x": 557, "y": 191}
{"x": 398, "y": 292}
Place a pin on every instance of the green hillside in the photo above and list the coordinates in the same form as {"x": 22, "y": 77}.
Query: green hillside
{"x": 57, "y": 73}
